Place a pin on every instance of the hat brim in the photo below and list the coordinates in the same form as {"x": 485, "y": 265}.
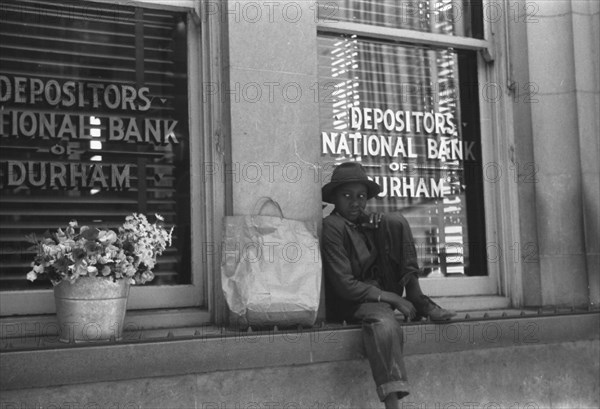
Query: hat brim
{"x": 327, "y": 191}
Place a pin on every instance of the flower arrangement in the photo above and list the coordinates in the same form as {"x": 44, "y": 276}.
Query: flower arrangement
{"x": 84, "y": 251}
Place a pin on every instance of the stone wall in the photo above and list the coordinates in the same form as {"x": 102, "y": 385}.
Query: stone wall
{"x": 534, "y": 376}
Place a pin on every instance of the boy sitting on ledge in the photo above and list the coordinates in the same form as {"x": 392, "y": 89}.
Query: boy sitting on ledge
{"x": 370, "y": 260}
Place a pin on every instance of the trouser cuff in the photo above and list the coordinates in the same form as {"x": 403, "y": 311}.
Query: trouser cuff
{"x": 392, "y": 387}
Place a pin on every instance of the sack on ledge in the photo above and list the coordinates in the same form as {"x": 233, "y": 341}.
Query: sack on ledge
{"x": 270, "y": 269}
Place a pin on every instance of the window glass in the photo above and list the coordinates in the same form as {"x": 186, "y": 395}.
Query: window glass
{"x": 410, "y": 115}
{"x": 93, "y": 125}
{"x": 453, "y": 17}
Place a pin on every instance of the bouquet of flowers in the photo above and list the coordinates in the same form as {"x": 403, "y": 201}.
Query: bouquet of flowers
{"x": 83, "y": 251}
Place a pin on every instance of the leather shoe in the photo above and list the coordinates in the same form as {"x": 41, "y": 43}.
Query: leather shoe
{"x": 433, "y": 311}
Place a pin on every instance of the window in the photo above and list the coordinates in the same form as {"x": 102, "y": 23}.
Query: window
{"x": 400, "y": 92}
{"x": 94, "y": 125}
{"x": 449, "y": 17}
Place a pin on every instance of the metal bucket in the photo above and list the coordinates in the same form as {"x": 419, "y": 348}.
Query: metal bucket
{"x": 91, "y": 309}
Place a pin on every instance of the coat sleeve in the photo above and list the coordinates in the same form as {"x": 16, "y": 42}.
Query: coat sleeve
{"x": 338, "y": 268}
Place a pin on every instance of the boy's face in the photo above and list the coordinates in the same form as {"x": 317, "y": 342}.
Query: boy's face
{"x": 350, "y": 199}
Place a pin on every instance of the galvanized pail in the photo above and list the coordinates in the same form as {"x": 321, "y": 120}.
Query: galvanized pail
{"x": 91, "y": 309}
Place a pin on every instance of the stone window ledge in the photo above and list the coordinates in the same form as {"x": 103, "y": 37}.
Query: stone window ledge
{"x": 204, "y": 349}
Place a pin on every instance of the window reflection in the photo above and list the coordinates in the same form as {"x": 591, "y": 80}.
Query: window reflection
{"x": 94, "y": 125}
{"x": 420, "y": 147}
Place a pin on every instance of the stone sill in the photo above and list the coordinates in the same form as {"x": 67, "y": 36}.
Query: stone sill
{"x": 40, "y": 331}
{"x": 207, "y": 349}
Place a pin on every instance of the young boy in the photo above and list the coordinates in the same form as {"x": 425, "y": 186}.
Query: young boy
{"x": 369, "y": 261}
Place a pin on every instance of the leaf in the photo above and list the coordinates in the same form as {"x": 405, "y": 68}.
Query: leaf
{"x": 32, "y": 238}
{"x": 90, "y": 234}
{"x": 78, "y": 254}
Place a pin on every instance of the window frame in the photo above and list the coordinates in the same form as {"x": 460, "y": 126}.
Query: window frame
{"x": 147, "y": 301}
{"x": 500, "y": 197}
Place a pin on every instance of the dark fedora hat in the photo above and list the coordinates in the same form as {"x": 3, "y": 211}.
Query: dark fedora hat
{"x": 349, "y": 172}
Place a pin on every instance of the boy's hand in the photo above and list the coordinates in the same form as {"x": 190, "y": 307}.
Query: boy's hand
{"x": 400, "y": 304}
{"x": 371, "y": 220}
{"x": 406, "y": 308}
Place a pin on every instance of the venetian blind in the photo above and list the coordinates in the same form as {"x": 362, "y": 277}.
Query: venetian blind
{"x": 93, "y": 125}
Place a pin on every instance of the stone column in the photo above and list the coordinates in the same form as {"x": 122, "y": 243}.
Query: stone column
{"x": 586, "y": 41}
{"x": 556, "y": 145}
{"x": 274, "y": 112}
